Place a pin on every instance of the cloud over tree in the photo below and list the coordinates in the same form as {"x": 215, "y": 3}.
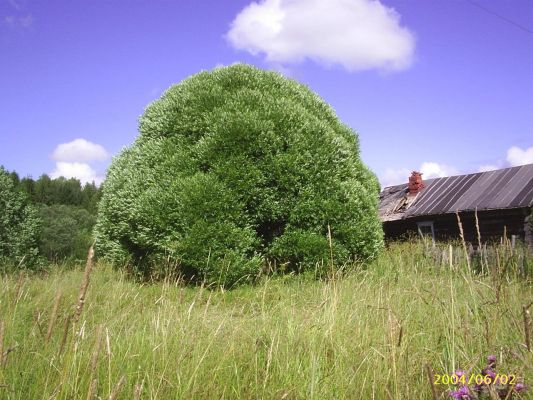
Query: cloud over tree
{"x": 356, "y": 34}
{"x": 73, "y": 160}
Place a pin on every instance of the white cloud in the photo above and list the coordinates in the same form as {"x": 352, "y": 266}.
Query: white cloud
{"x": 435, "y": 170}
{"x": 488, "y": 167}
{"x": 79, "y": 150}
{"x": 395, "y": 176}
{"x": 356, "y": 34}
{"x": 79, "y": 170}
{"x": 517, "y": 156}
{"x": 429, "y": 170}
{"x": 73, "y": 158}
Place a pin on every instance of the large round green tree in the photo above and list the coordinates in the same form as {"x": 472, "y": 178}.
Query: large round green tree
{"x": 234, "y": 168}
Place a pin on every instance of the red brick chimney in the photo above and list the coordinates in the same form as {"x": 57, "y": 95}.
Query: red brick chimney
{"x": 415, "y": 182}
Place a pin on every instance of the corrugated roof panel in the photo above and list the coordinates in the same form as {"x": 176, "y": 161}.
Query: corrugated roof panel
{"x": 505, "y": 188}
{"x": 525, "y": 196}
{"x": 428, "y": 197}
{"x": 499, "y": 179}
{"x": 472, "y": 194}
{"x": 462, "y": 191}
{"x": 448, "y": 190}
{"x": 514, "y": 185}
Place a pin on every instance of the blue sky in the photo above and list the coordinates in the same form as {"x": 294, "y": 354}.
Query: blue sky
{"x": 445, "y": 86}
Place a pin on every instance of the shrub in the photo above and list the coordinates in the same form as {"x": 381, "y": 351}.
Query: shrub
{"x": 236, "y": 166}
{"x": 19, "y": 225}
{"x": 66, "y": 232}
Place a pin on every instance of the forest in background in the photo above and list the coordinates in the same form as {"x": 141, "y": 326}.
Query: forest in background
{"x": 67, "y": 214}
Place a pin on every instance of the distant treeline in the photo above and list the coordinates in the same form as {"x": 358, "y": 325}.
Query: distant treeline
{"x": 66, "y": 214}
{"x": 68, "y": 192}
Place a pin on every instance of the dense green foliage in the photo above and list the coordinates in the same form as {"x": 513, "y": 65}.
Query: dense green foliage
{"x": 19, "y": 225}
{"x": 233, "y": 168}
{"x": 66, "y": 232}
{"x": 61, "y": 212}
{"x": 60, "y": 190}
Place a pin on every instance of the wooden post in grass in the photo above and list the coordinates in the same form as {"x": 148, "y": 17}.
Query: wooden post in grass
{"x": 450, "y": 258}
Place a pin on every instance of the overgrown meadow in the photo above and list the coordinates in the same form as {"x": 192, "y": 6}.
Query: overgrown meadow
{"x": 387, "y": 330}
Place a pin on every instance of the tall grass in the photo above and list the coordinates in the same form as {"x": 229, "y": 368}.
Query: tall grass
{"x": 372, "y": 333}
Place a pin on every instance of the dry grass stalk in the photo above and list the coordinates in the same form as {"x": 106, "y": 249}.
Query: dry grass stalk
{"x": 65, "y": 335}
{"x": 96, "y": 351}
{"x": 2, "y": 332}
{"x": 138, "y": 391}
{"x": 389, "y": 394}
{"x": 525, "y": 315}
{"x": 85, "y": 284}
{"x": 431, "y": 378}
{"x": 477, "y": 229}
{"x": 18, "y": 289}
{"x": 510, "y": 393}
{"x": 461, "y": 234}
{"x": 93, "y": 389}
{"x": 55, "y": 393}
{"x": 479, "y": 246}
{"x": 330, "y": 251}
{"x": 37, "y": 318}
{"x": 500, "y": 276}
{"x": 53, "y": 317}
{"x": 400, "y": 336}
{"x": 107, "y": 343}
{"x": 493, "y": 393}
{"x": 7, "y": 352}
{"x": 487, "y": 332}
{"x": 118, "y": 387}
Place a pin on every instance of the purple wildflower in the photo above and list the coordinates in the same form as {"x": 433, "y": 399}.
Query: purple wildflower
{"x": 488, "y": 371}
{"x": 464, "y": 391}
{"x": 482, "y": 389}
{"x": 462, "y": 394}
{"x": 519, "y": 387}
{"x": 492, "y": 360}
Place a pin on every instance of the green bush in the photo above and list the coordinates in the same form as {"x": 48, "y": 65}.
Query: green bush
{"x": 66, "y": 232}
{"x": 235, "y": 167}
{"x": 19, "y": 225}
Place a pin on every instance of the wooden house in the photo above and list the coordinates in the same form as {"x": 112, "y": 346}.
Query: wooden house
{"x": 502, "y": 200}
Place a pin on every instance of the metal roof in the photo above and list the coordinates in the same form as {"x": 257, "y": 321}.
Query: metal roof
{"x": 500, "y": 189}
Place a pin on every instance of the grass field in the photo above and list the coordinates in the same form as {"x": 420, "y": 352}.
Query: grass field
{"x": 373, "y": 332}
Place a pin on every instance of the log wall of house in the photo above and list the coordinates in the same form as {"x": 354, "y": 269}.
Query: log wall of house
{"x": 492, "y": 225}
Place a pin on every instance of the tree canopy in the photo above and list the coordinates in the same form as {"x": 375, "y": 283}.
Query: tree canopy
{"x": 19, "y": 224}
{"x": 60, "y": 211}
{"x": 234, "y": 168}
